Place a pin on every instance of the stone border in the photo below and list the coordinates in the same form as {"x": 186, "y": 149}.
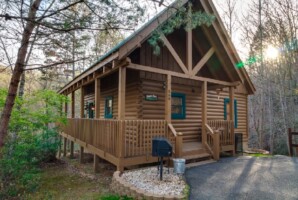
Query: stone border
{"x": 123, "y": 188}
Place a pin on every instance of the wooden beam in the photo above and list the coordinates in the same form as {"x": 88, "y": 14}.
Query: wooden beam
{"x": 89, "y": 71}
{"x": 66, "y": 108}
{"x": 73, "y": 104}
{"x": 145, "y": 32}
{"x": 97, "y": 98}
{"x": 232, "y": 116}
{"x": 181, "y": 75}
{"x": 82, "y": 102}
{"x": 121, "y": 93}
{"x": 218, "y": 28}
{"x": 174, "y": 54}
{"x": 96, "y": 163}
{"x": 189, "y": 50}
{"x": 64, "y": 147}
{"x": 168, "y": 97}
{"x": 203, "y": 61}
{"x": 81, "y": 155}
{"x": 204, "y": 111}
{"x": 71, "y": 149}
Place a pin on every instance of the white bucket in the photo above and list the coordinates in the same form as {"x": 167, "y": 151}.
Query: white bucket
{"x": 179, "y": 165}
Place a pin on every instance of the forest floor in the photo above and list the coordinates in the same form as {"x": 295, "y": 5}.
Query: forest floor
{"x": 67, "y": 179}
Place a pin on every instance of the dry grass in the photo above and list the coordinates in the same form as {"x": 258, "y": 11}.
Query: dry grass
{"x": 70, "y": 180}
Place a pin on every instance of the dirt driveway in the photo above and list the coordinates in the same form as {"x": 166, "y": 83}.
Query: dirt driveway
{"x": 245, "y": 178}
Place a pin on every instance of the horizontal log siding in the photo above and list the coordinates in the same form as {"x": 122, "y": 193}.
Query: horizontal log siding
{"x": 164, "y": 60}
{"x": 191, "y": 125}
{"x": 216, "y": 109}
{"x": 133, "y": 100}
{"x": 153, "y": 109}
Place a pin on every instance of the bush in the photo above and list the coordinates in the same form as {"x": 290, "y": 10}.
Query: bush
{"x": 30, "y": 142}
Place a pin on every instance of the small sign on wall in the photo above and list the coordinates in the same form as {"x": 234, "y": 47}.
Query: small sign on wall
{"x": 151, "y": 97}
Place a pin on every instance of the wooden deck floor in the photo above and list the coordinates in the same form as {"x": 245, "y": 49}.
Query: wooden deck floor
{"x": 192, "y": 146}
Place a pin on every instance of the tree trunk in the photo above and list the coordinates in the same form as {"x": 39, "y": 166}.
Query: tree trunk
{"x": 17, "y": 71}
{"x": 22, "y": 85}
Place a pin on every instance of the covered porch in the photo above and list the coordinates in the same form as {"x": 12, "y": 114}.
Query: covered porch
{"x": 126, "y": 142}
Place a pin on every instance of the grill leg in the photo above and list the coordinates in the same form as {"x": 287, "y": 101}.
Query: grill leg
{"x": 161, "y": 162}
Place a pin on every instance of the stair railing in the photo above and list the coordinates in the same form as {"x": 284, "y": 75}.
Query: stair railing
{"x": 213, "y": 142}
{"x": 178, "y": 141}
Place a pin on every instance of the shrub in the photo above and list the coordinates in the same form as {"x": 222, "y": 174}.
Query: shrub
{"x": 30, "y": 142}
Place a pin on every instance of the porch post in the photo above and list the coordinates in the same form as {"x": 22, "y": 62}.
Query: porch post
{"x": 121, "y": 115}
{"x": 121, "y": 93}
{"x": 72, "y": 116}
{"x": 168, "y": 96}
{"x": 204, "y": 111}
{"x": 82, "y": 101}
{"x": 82, "y": 116}
{"x": 232, "y": 117}
{"x": 97, "y": 98}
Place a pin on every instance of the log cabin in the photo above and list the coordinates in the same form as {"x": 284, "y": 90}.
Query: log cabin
{"x": 192, "y": 93}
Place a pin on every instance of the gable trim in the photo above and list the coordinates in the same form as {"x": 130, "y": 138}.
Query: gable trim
{"x": 174, "y": 54}
{"x": 203, "y": 61}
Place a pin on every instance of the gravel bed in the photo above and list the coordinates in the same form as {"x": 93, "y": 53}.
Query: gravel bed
{"x": 147, "y": 179}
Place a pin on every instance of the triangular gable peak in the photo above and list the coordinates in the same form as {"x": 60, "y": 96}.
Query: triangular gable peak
{"x": 205, "y": 53}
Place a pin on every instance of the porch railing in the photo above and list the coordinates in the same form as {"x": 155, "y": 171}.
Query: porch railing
{"x": 120, "y": 138}
{"x": 226, "y": 129}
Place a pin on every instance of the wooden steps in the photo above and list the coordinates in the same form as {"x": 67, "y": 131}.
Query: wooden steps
{"x": 194, "y": 153}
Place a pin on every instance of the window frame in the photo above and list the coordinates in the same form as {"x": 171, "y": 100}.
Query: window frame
{"x": 90, "y": 112}
{"x": 108, "y": 115}
{"x": 183, "y": 114}
{"x": 226, "y": 101}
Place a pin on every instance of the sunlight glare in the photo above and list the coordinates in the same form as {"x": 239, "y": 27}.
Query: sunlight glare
{"x": 271, "y": 52}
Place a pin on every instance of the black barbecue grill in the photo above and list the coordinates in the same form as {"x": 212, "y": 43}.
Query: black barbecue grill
{"x": 161, "y": 147}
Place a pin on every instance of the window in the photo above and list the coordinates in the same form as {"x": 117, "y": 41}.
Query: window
{"x": 109, "y": 107}
{"x": 227, "y": 110}
{"x": 91, "y": 110}
{"x": 178, "y": 106}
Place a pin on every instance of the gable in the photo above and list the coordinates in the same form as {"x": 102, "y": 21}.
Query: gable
{"x": 213, "y": 54}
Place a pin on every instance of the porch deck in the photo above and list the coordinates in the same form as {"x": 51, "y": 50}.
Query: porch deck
{"x": 128, "y": 142}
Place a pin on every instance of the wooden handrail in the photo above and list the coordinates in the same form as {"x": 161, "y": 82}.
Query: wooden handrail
{"x": 213, "y": 142}
{"x": 171, "y": 127}
{"x": 209, "y": 128}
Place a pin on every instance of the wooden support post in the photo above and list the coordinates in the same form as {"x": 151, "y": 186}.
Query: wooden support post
{"x": 204, "y": 111}
{"x": 189, "y": 50}
{"x": 178, "y": 145}
{"x": 66, "y": 109}
{"x": 82, "y": 155}
{"x": 60, "y": 148}
{"x": 290, "y": 137}
{"x": 82, "y": 102}
{"x": 121, "y": 93}
{"x": 97, "y": 98}
{"x": 168, "y": 97}
{"x": 121, "y": 146}
{"x": 71, "y": 149}
{"x": 232, "y": 117}
{"x": 73, "y": 104}
{"x": 216, "y": 141}
{"x": 189, "y": 41}
{"x": 96, "y": 163}
{"x": 64, "y": 147}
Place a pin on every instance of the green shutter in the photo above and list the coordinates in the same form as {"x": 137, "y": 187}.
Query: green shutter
{"x": 226, "y": 101}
